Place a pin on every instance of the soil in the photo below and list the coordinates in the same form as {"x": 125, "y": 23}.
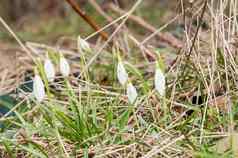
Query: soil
{"x": 8, "y": 67}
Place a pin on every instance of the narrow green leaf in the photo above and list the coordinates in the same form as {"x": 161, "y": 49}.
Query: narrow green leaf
{"x": 123, "y": 119}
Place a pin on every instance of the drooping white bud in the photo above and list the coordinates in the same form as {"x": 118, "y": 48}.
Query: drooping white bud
{"x": 38, "y": 88}
{"x": 83, "y": 45}
{"x": 159, "y": 81}
{"x": 131, "y": 93}
{"x": 49, "y": 70}
{"x": 64, "y": 67}
{"x": 121, "y": 73}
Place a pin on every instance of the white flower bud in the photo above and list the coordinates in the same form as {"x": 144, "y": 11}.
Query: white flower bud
{"x": 49, "y": 70}
{"x": 121, "y": 73}
{"x": 83, "y": 45}
{"x": 160, "y": 81}
{"x": 38, "y": 88}
{"x": 131, "y": 93}
{"x": 64, "y": 67}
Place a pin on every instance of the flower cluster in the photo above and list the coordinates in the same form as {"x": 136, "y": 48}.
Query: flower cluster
{"x": 49, "y": 69}
{"x": 159, "y": 81}
{"x": 124, "y": 80}
{"x": 122, "y": 75}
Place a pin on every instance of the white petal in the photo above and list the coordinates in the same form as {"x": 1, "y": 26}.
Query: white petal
{"x": 122, "y": 74}
{"x": 49, "y": 70}
{"x": 38, "y": 88}
{"x": 160, "y": 82}
{"x": 131, "y": 93}
{"x": 83, "y": 45}
{"x": 64, "y": 67}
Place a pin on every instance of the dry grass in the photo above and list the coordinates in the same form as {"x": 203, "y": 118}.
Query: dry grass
{"x": 95, "y": 118}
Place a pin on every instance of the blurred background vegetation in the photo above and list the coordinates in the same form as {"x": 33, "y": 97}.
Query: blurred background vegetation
{"x": 48, "y": 20}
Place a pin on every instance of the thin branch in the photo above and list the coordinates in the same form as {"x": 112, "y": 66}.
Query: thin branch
{"x": 187, "y": 58}
{"x": 16, "y": 38}
{"x": 168, "y": 38}
{"x": 88, "y": 19}
{"x": 198, "y": 28}
{"x": 98, "y": 8}
{"x": 112, "y": 35}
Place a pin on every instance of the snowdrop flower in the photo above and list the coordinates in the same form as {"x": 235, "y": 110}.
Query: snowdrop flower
{"x": 121, "y": 73}
{"x": 38, "y": 88}
{"x": 83, "y": 45}
{"x": 64, "y": 66}
{"x": 49, "y": 70}
{"x": 131, "y": 93}
{"x": 159, "y": 81}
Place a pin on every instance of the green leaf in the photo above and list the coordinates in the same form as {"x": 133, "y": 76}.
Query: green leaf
{"x": 123, "y": 119}
{"x": 109, "y": 115}
{"x": 220, "y": 57}
{"x": 8, "y": 149}
{"x": 137, "y": 73}
{"x": 37, "y": 146}
{"x": 160, "y": 62}
{"x": 32, "y": 151}
{"x": 85, "y": 153}
{"x": 53, "y": 56}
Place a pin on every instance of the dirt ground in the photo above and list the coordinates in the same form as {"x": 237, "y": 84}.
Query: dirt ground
{"x": 9, "y": 65}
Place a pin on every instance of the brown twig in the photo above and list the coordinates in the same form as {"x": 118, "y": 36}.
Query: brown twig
{"x": 167, "y": 37}
{"x": 195, "y": 38}
{"x": 88, "y": 19}
{"x": 198, "y": 28}
{"x": 98, "y": 8}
